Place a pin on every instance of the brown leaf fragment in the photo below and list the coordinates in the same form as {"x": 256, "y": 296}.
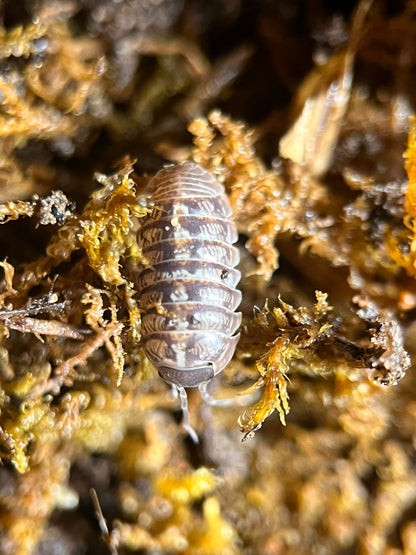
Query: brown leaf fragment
{"x": 322, "y": 102}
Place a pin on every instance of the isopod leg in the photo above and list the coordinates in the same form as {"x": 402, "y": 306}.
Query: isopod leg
{"x": 185, "y": 414}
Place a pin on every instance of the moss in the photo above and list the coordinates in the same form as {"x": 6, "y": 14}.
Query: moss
{"x": 305, "y": 124}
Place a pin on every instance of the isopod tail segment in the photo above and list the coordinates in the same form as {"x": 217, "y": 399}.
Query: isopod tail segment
{"x": 192, "y": 276}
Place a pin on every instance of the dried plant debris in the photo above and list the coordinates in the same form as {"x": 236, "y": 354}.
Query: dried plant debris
{"x": 313, "y": 342}
{"x": 50, "y": 210}
{"x": 322, "y": 105}
{"x": 303, "y": 113}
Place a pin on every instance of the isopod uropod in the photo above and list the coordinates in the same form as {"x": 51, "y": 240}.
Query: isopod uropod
{"x": 188, "y": 292}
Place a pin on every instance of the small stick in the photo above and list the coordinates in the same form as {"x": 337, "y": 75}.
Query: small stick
{"x": 110, "y": 539}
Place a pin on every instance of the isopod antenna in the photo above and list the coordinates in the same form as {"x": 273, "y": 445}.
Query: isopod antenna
{"x": 211, "y": 400}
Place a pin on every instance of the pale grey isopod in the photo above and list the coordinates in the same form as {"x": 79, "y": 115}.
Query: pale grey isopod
{"x": 187, "y": 241}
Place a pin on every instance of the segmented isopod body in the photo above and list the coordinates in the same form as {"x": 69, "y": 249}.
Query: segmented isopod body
{"x": 187, "y": 241}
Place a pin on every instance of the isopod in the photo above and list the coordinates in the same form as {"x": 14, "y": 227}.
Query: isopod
{"x": 188, "y": 291}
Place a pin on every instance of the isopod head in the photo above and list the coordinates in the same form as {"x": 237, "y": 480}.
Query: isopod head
{"x": 187, "y": 377}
